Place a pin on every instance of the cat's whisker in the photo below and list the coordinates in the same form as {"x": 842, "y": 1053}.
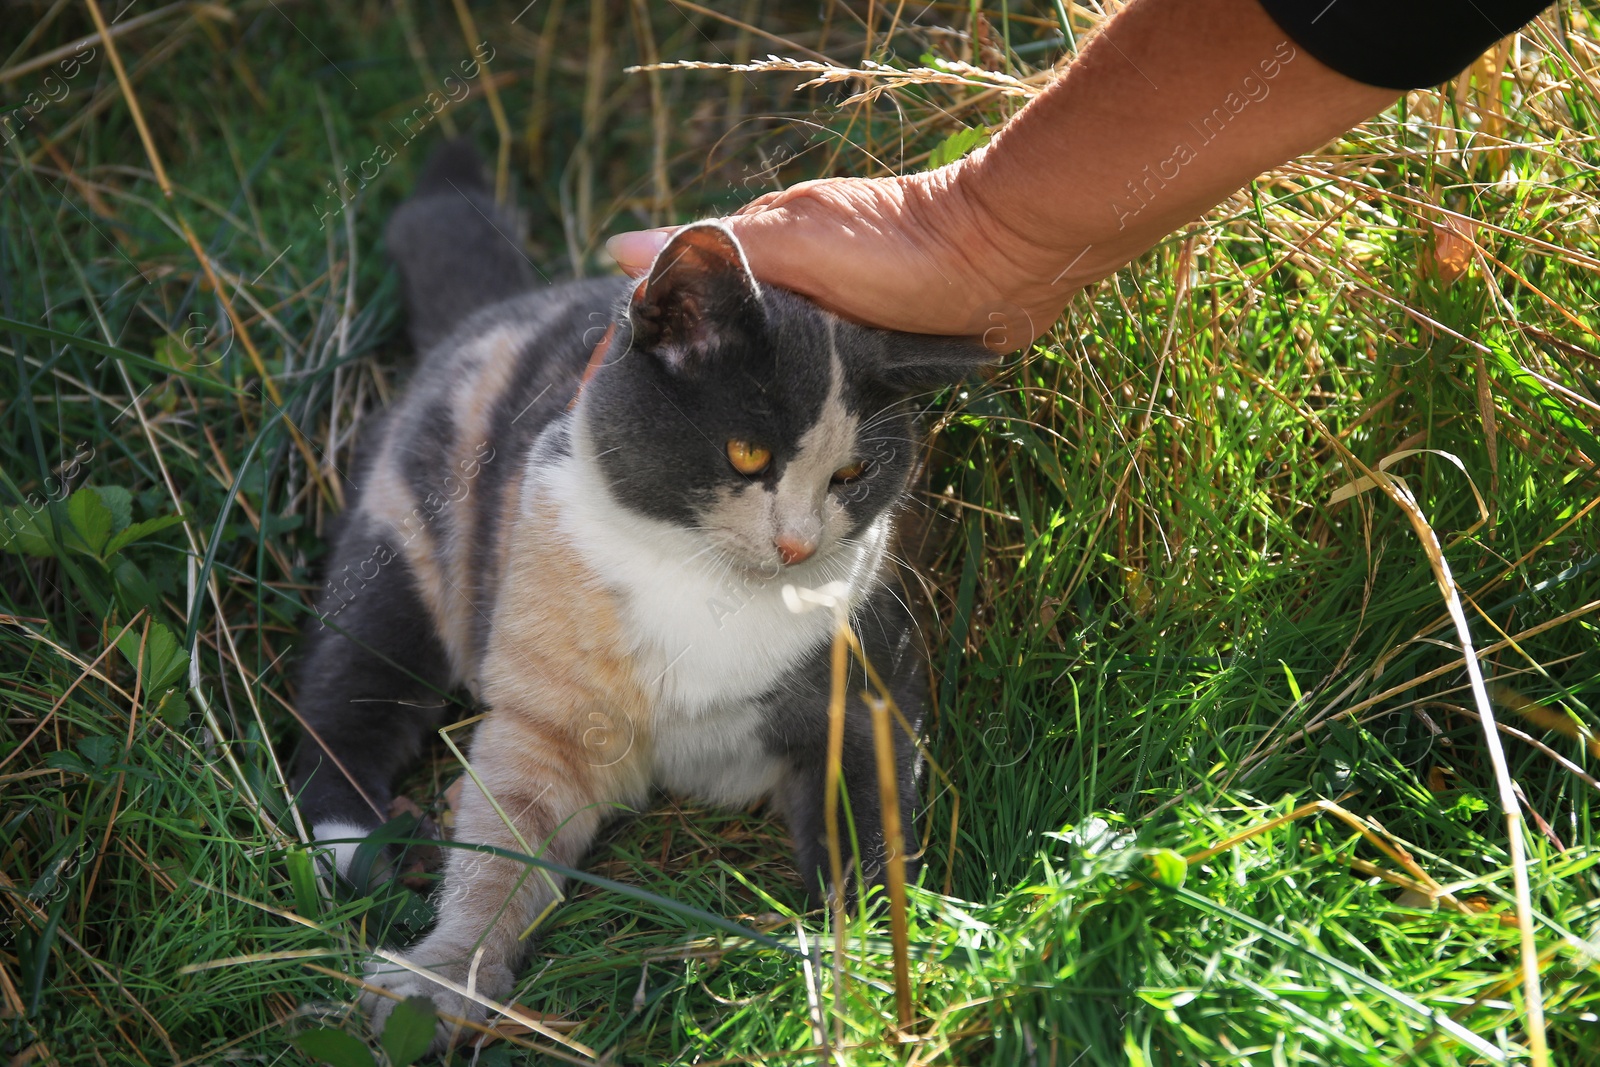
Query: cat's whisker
{"x": 711, "y": 548}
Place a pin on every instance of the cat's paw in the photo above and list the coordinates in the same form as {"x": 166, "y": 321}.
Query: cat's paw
{"x": 492, "y": 981}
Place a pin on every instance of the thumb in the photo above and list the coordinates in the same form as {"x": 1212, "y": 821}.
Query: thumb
{"x": 635, "y": 251}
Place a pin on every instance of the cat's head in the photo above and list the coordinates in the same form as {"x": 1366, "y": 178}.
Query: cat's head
{"x": 774, "y": 430}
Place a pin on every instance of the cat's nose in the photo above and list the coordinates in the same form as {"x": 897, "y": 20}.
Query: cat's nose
{"x": 793, "y": 548}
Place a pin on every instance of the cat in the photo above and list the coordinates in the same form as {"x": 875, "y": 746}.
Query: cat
{"x": 585, "y": 509}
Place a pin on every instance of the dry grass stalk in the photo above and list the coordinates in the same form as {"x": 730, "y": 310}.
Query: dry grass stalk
{"x": 1511, "y": 808}
{"x": 881, "y": 77}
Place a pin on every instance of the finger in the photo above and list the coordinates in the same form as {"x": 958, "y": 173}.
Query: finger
{"x": 813, "y": 192}
{"x": 760, "y": 203}
{"x": 635, "y": 251}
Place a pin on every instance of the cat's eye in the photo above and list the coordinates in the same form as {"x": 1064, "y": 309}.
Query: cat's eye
{"x": 850, "y": 473}
{"x": 748, "y": 458}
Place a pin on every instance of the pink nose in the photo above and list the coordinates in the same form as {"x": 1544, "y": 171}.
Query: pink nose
{"x": 792, "y": 549}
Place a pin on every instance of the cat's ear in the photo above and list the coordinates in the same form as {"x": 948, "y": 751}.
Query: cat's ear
{"x": 699, "y": 294}
{"x": 916, "y": 363}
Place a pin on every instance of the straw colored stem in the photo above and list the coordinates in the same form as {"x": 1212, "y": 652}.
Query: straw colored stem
{"x": 1511, "y": 809}
{"x": 894, "y": 860}
{"x": 502, "y": 163}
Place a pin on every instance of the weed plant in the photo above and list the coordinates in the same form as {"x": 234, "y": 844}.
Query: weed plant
{"x": 1156, "y": 628}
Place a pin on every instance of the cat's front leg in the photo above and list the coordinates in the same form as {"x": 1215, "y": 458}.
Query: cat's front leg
{"x": 865, "y": 850}
{"x": 554, "y": 794}
{"x": 797, "y": 732}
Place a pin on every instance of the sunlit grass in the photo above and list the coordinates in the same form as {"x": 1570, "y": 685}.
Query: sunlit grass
{"x": 1154, "y": 629}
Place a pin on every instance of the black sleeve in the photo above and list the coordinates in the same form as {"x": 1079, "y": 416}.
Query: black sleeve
{"x": 1400, "y": 44}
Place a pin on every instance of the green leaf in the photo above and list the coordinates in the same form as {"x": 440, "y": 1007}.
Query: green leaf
{"x": 26, "y": 532}
{"x": 164, "y": 662}
{"x": 1166, "y": 1000}
{"x": 1168, "y": 867}
{"x": 139, "y": 531}
{"x": 170, "y": 352}
{"x": 409, "y": 1031}
{"x": 120, "y": 503}
{"x": 1549, "y": 404}
{"x": 957, "y": 145}
{"x": 91, "y": 520}
{"x": 1294, "y": 684}
{"x": 334, "y": 1047}
{"x": 1132, "y": 1049}
{"x": 274, "y": 525}
{"x": 99, "y": 749}
{"x": 61, "y": 760}
{"x": 173, "y": 708}
{"x": 303, "y": 880}
{"x": 168, "y": 662}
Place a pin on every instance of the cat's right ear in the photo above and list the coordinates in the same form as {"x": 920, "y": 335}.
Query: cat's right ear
{"x": 913, "y": 363}
{"x": 698, "y": 296}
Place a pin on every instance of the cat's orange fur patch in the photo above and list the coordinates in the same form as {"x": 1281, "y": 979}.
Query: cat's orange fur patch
{"x": 472, "y": 404}
{"x": 566, "y": 737}
{"x": 388, "y": 499}
{"x": 554, "y": 667}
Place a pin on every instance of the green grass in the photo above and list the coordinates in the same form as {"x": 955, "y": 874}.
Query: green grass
{"x": 1155, "y": 630}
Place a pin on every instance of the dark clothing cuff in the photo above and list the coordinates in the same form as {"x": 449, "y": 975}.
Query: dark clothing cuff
{"x": 1400, "y": 44}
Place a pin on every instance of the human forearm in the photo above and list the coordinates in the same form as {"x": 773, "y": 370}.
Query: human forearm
{"x": 1172, "y": 107}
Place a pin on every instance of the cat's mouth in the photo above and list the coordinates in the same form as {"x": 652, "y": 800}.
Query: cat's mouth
{"x": 735, "y": 553}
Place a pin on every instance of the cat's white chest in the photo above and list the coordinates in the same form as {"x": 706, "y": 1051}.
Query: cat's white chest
{"x": 707, "y": 649}
{"x": 707, "y": 640}
{"x": 703, "y": 643}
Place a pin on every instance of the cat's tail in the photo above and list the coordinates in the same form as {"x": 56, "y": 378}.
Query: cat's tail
{"x": 456, "y": 249}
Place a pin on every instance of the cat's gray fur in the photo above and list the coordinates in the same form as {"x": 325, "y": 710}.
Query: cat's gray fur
{"x": 638, "y": 499}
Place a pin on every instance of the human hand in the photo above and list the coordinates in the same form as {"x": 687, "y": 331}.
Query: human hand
{"x": 1090, "y": 174}
{"x": 917, "y": 253}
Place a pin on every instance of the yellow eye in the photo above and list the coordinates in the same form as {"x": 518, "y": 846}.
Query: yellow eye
{"x": 850, "y": 473}
{"x": 748, "y": 458}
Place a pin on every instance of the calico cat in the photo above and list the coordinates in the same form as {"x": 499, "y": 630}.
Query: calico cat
{"x": 606, "y": 574}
